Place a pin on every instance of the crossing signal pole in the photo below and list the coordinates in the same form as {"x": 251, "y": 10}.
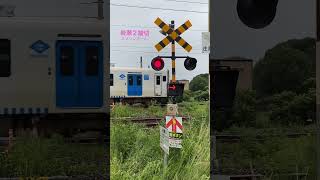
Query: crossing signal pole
{"x": 173, "y": 57}
{"x": 174, "y": 89}
{"x": 172, "y": 36}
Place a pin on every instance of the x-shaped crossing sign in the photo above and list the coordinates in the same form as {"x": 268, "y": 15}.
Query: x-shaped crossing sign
{"x": 173, "y": 35}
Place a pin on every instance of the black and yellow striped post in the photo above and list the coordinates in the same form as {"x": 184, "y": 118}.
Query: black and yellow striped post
{"x": 172, "y": 36}
{"x": 173, "y": 56}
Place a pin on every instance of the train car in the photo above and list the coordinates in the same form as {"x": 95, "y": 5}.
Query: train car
{"x": 53, "y": 73}
{"x": 138, "y": 85}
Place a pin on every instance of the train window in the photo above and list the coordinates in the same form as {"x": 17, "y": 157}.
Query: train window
{"x": 139, "y": 80}
{"x": 92, "y": 61}
{"x": 111, "y": 79}
{"x": 5, "y": 58}
{"x": 130, "y": 80}
{"x": 146, "y": 77}
{"x": 164, "y": 78}
{"x": 67, "y": 61}
{"x": 158, "y": 80}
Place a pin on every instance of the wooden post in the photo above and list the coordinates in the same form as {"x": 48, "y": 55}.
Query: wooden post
{"x": 297, "y": 172}
{"x": 165, "y": 160}
{"x": 252, "y": 171}
{"x": 10, "y": 139}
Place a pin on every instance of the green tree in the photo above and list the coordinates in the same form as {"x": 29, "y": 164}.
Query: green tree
{"x": 290, "y": 108}
{"x": 285, "y": 67}
{"x": 199, "y": 83}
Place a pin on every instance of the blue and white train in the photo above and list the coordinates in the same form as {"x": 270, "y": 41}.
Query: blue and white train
{"x": 138, "y": 85}
{"x": 53, "y": 73}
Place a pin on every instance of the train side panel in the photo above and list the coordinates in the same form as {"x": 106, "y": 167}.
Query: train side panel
{"x": 133, "y": 83}
{"x": 30, "y": 88}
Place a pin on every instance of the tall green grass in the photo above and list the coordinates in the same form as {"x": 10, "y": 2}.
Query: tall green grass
{"x": 131, "y": 111}
{"x": 39, "y": 157}
{"x": 136, "y": 152}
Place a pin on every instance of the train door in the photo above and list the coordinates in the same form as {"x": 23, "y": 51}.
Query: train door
{"x": 79, "y": 74}
{"x": 158, "y": 85}
{"x": 134, "y": 85}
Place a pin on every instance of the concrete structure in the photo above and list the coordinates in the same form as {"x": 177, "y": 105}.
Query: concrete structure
{"x": 186, "y": 84}
{"x": 245, "y": 68}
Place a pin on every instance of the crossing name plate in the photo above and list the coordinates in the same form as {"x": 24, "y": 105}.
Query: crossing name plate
{"x": 164, "y": 139}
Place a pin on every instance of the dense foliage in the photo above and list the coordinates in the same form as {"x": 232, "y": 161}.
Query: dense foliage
{"x": 199, "y": 89}
{"x": 285, "y": 67}
{"x": 282, "y": 103}
{"x": 200, "y": 83}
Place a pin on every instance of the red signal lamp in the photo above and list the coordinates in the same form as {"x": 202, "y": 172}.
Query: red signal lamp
{"x": 157, "y": 64}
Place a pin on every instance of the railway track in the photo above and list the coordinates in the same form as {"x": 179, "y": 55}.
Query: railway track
{"x": 147, "y": 121}
{"x": 229, "y": 138}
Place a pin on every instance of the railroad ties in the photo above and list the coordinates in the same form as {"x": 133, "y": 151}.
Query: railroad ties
{"x": 147, "y": 121}
{"x": 230, "y": 138}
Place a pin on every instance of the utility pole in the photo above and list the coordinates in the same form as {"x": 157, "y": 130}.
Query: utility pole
{"x": 141, "y": 62}
{"x": 317, "y": 91}
{"x": 100, "y": 9}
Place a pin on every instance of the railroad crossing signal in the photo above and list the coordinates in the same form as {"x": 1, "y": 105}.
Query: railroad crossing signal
{"x": 157, "y": 64}
{"x": 173, "y": 35}
{"x": 190, "y": 63}
{"x": 257, "y": 14}
{"x": 175, "y": 89}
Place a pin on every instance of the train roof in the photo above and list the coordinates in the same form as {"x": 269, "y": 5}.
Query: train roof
{"x": 11, "y": 25}
{"x": 51, "y": 20}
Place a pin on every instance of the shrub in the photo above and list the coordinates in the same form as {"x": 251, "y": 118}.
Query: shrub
{"x": 244, "y": 111}
{"x": 291, "y": 108}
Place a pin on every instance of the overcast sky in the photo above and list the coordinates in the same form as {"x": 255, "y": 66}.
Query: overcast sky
{"x": 294, "y": 19}
{"x": 127, "y": 52}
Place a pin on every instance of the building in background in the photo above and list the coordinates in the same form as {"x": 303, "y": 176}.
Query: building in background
{"x": 245, "y": 68}
{"x": 186, "y": 84}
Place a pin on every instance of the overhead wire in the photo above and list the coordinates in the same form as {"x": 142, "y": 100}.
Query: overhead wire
{"x": 157, "y": 8}
{"x": 192, "y": 2}
{"x": 117, "y": 50}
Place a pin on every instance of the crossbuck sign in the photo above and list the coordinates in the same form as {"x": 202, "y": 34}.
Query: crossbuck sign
{"x": 173, "y": 35}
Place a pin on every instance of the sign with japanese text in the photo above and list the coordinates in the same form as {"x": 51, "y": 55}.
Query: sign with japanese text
{"x": 134, "y": 34}
{"x": 174, "y": 126}
{"x": 206, "y": 42}
{"x": 164, "y": 139}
